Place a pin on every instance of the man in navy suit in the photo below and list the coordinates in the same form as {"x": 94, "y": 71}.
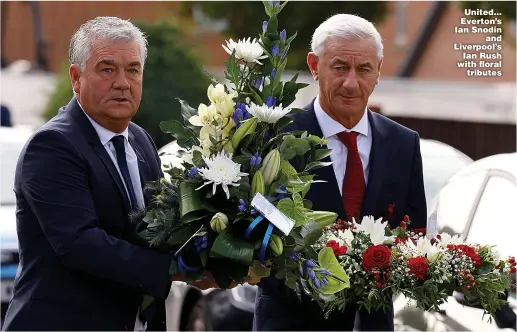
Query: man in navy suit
{"x": 376, "y": 170}
{"x": 77, "y": 180}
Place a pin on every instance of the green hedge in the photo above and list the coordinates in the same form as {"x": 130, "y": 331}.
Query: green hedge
{"x": 172, "y": 70}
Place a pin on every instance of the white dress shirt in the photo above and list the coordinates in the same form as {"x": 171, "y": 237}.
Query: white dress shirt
{"x": 331, "y": 128}
{"x": 105, "y": 137}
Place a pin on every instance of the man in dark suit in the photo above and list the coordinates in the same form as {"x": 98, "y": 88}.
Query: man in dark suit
{"x": 376, "y": 170}
{"x": 77, "y": 180}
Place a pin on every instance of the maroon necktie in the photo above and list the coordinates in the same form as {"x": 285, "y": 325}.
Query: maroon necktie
{"x": 353, "y": 183}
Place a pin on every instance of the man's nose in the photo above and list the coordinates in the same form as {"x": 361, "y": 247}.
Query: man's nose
{"x": 350, "y": 82}
{"x": 121, "y": 82}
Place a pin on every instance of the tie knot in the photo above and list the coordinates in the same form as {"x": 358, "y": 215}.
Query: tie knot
{"x": 118, "y": 141}
{"x": 349, "y": 139}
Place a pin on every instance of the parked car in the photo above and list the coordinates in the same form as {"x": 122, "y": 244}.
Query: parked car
{"x": 12, "y": 140}
{"x": 478, "y": 202}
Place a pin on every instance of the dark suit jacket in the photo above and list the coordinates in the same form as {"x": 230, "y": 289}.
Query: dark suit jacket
{"x": 78, "y": 270}
{"x": 395, "y": 177}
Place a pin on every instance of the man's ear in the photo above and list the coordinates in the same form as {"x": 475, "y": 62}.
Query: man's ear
{"x": 312, "y": 62}
{"x": 75, "y": 74}
{"x": 379, "y": 69}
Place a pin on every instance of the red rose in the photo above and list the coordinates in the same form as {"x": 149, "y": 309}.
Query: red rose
{"x": 338, "y": 250}
{"x": 467, "y": 251}
{"x": 401, "y": 240}
{"x": 376, "y": 257}
{"x": 418, "y": 266}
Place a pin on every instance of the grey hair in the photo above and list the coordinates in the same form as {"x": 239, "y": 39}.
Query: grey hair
{"x": 112, "y": 29}
{"x": 345, "y": 26}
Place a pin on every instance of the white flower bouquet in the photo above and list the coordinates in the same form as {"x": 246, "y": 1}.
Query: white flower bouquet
{"x": 236, "y": 206}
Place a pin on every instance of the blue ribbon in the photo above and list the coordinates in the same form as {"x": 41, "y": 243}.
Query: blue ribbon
{"x": 267, "y": 236}
{"x": 182, "y": 266}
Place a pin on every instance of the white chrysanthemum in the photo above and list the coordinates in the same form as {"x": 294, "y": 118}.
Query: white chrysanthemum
{"x": 267, "y": 114}
{"x": 375, "y": 228}
{"x": 221, "y": 170}
{"x": 245, "y": 49}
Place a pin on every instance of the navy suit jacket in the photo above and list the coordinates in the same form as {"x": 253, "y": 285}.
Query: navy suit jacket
{"x": 78, "y": 270}
{"x": 395, "y": 177}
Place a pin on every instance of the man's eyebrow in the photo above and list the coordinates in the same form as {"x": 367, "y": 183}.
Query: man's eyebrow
{"x": 135, "y": 64}
{"x": 106, "y": 62}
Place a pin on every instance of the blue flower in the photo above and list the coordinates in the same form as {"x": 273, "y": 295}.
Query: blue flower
{"x": 242, "y": 205}
{"x": 201, "y": 242}
{"x": 274, "y": 3}
{"x": 277, "y": 4}
{"x": 266, "y": 136}
{"x": 192, "y": 173}
{"x": 283, "y": 34}
{"x": 275, "y": 50}
{"x": 273, "y": 74}
{"x": 264, "y": 26}
{"x": 309, "y": 263}
{"x": 270, "y": 101}
{"x": 312, "y": 275}
{"x": 317, "y": 283}
{"x": 325, "y": 272}
{"x": 258, "y": 82}
{"x": 240, "y": 114}
{"x": 282, "y": 192}
{"x": 294, "y": 257}
{"x": 253, "y": 212}
{"x": 324, "y": 281}
{"x": 255, "y": 160}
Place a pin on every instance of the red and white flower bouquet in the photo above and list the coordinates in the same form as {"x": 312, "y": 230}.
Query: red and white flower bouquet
{"x": 380, "y": 263}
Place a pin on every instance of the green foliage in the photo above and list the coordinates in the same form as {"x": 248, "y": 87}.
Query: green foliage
{"x": 171, "y": 71}
{"x": 302, "y": 17}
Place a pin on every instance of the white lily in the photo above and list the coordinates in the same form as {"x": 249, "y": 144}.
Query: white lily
{"x": 446, "y": 239}
{"x": 225, "y": 106}
{"x": 374, "y": 228}
{"x": 221, "y": 170}
{"x": 346, "y": 235}
{"x": 246, "y": 49}
{"x": 206, "y": 115}
{"x": 267, "y": 114}
{"x": 425, "y": 248}
{"x": 216, "y": 93}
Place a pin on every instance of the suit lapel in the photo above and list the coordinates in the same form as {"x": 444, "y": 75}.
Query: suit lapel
{"x": 93, "y": 138}
{"x": 143, "y": 166}
{"x": 381, "y": 149}
{"x": 324, "y": 196}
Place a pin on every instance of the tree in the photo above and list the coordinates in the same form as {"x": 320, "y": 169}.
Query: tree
{"x": 171, "y": 71}
{"x": 302, "y": 16}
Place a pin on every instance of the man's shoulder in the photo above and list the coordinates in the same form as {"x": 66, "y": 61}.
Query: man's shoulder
{"x": 393, "y": 128}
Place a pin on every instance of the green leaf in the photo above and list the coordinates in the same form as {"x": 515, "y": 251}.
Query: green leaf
{"x": 272, "y": 25}
{"x": 322, "y": 153}
{"x": 288, "y": 207}
{"x": 226, "y": 245}
{"x": 282, "y": 123}
{"x": 185, "y": 136}
{"x": 311, "y": 232}
{"x": 338, "y": 280}
{"x": 186, "y": 110}
{"x": 197, "y": 158}
{"x": 181, "y": 235}
{"x": 190, "y": 199}
{"x": 287, "y": 169}
{"x": 317, "y": 164}
{"x": 300, "y": 145}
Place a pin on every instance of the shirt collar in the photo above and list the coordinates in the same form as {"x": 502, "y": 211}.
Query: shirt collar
{"x": 331, "y": 127}
{"x": 105, "y": 135}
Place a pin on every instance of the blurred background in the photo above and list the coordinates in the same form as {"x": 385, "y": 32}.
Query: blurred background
{"x": 467, "y": 124}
